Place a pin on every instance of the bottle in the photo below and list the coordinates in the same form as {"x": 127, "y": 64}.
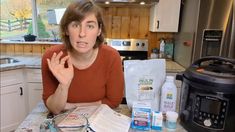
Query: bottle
{"x": 162, "y": 49}
{"x": 168, "y": 95}
{"x": 154, "y": 54}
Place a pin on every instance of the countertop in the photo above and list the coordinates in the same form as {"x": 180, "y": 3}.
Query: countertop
{"x": 38, "y": 116}
{"x": 34, "y": 61}
{"x": 28, "y": 42}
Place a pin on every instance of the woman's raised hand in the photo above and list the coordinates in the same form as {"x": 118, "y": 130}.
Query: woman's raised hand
{"x": 57, "y": 66}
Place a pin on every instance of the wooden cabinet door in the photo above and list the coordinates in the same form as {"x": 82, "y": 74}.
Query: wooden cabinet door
{"x": 13, "y": 99}
{"x": 34, "y": 94}
{"x": 34, "y": 86}
{"x": 13, "y": 107}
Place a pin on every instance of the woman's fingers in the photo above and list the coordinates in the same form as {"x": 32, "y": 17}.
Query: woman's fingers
{"x": 62, "y": 61}
{"x": 57, "y": 58}
{"x": 48, "y": 62}
{"x": 70, "y": 65}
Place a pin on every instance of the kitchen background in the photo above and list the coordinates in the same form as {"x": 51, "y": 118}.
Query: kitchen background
{"x": 122, "y": 21}
{"x": 21, "y": 84}
{"x": 174, "y": 20}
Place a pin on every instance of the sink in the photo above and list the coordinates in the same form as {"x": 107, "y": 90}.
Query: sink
{"x": 8, "y": 60}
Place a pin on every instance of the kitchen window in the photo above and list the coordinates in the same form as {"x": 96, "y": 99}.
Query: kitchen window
{"x": 18, "y": 18}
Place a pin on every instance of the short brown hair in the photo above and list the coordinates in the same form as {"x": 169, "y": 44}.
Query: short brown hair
{"x": 76, "y": 11}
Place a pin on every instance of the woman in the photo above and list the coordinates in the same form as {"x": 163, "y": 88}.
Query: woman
{"x": 83, "y": 70}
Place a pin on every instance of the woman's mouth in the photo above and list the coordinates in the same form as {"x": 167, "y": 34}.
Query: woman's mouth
{"x": 81, "y": 44}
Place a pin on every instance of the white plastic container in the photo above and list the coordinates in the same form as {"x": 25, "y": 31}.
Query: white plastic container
{"x": 168, "y": 95}
{"x": 171, "y": 120}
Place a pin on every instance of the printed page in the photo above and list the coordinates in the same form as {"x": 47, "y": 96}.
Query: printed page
{"x": 107, "y": 120}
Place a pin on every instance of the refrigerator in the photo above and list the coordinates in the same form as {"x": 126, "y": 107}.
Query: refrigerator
{"x": 207, "y": 28}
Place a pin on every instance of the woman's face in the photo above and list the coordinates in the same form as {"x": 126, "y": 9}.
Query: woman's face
{"x": 83, "y": 35}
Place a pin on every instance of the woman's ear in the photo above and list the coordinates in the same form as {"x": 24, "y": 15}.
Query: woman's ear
{"x": 67, "y": 33}
{"x": 99, "y": 32}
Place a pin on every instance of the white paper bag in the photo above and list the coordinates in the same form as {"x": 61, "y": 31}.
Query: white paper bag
{"x": 143, "y": 81}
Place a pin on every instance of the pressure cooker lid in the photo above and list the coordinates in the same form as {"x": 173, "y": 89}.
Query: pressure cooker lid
{"x": 212, "y": 70}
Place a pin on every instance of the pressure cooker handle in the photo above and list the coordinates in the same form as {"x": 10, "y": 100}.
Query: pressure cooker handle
{"x": 199, "y": 61}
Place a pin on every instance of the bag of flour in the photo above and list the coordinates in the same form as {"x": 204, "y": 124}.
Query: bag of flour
{"x": 143, "y": 81}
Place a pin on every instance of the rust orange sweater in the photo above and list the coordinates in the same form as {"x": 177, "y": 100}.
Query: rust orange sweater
{"x": 103, "y": 80}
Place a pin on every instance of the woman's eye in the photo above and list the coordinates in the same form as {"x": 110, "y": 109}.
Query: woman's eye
{"x": 75, "y": 25}
{"x": 90, "y": 26}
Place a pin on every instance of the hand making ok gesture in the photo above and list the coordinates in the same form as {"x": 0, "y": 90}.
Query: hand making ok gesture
{"x": 64, "y": 74}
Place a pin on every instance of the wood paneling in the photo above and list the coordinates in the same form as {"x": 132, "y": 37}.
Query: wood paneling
{"x": 19, "y": 48}
{"x": 116, "y": 26}
{"x": 25, "y": 48}
{"x": 125, "y": 26}
{"x": 28, "y": 49}
{"x": 124, "y": 11}
{"x": 3, "y": 48}
{"x": 134, "y": 27}
{"x": 37, "y": 49}
{"x": 143, "y": 27}
{"x": 10, "y": 48}
{"x": 108, "y": 25}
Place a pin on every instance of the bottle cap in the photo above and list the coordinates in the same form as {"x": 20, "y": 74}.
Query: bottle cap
{"x": 171, "y": 116}
{"x": 170, "y": 78}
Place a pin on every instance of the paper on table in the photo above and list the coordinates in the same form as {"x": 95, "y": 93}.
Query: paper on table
{"x": 101, "y": 119}
{"x": 107, "y": 120}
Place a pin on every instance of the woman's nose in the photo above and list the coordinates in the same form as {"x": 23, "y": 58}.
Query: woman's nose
{"x": 82, "y": 32}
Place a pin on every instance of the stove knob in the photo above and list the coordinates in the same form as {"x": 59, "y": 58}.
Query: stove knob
{"x": 143, "y": 44}
{"x": 207, "y": 122}
{"x": 137, "y": 44}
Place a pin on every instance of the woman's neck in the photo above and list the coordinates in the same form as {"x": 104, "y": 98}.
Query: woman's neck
{"x": 83, "y": 61}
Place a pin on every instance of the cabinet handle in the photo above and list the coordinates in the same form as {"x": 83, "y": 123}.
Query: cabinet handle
{"x": 158, "y": 24}
{"x": 21, "y": 91}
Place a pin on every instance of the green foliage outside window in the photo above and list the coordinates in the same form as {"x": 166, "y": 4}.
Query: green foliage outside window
{"x": 42, "y": 33}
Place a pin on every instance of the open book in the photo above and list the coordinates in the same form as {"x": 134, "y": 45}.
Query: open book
{"x": 101, "y": 119}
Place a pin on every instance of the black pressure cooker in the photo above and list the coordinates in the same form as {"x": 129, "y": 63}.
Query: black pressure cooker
{"x": 207, "y": 99}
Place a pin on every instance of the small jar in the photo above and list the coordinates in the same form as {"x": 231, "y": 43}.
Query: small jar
{"x": 171, "y": 120}
{"x": 154, "y": 54}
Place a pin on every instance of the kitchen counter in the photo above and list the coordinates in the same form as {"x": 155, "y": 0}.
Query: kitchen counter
{"x": 28, "y": 42}
{"x": 24, "y": 61}
{"x": 38, "y": 115}
{"x": 34, "y": 61}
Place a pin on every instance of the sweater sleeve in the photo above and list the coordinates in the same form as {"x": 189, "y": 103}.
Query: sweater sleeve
{"x": 49, "y": 82}
{"x": 115, "y": 82}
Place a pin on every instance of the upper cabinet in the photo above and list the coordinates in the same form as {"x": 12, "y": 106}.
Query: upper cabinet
{"x": 164, "y": 16}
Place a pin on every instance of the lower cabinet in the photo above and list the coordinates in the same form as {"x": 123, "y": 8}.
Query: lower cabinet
{"x": 34, "y": 86}
{"x": 13, "y": 100}
{"x": 21, "y": 90}
{"x": 34, "y": 95}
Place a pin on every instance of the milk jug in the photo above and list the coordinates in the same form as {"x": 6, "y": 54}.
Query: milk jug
{"x": 168, "y": 95}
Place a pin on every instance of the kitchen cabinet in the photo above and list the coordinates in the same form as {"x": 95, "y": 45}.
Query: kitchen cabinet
{"x": 164, "y": 16}
{"x": 13, "y": 99}
{"x": 34, "y": 85}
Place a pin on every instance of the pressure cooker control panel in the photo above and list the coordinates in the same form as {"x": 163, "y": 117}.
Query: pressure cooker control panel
{"x": 210, "y": 111}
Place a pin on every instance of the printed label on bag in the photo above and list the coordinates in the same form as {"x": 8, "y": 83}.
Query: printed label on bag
{"x": 145, "y": 89}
